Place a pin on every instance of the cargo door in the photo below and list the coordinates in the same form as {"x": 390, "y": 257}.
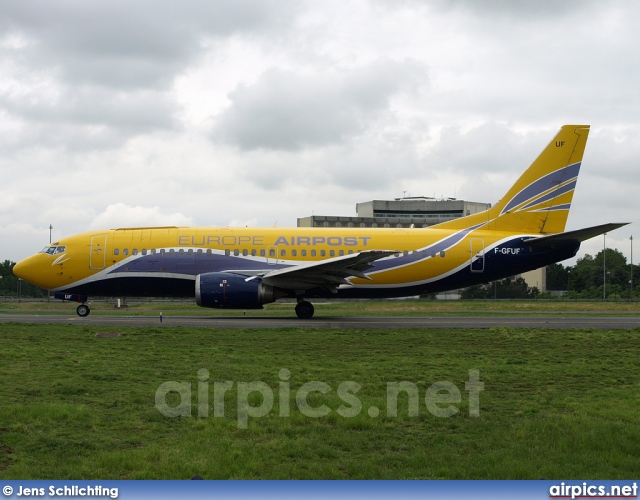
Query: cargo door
{"x": 98, "y": 251}
{"x": 476, "y": 263}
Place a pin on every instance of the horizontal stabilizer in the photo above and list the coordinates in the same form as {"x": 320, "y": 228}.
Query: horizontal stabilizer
{"x": 573, "y": 236}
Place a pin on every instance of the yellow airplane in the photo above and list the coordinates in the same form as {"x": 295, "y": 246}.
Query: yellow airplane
{"x": 244, "y": 268}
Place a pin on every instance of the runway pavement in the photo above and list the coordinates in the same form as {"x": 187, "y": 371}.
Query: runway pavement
{"x": 519, "y": 321}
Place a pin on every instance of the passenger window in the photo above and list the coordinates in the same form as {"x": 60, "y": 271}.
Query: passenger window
{"x": 323, "y": 253}
{"x": 134, "y": 252}
{"x": 227, "y": 252}
{"x": 262, "y": 252}
{"x": 332, "y": 253}
{"x": 294, "y": 253}
{"x": 303, "y": 253}
{"x": 125, "y": 252}
{"x": 236, "y": 252}
{"x": 283, "y": 253}
{"x": 253, "y": 252}
{"x": 116, "y": 251}
{"x": 245, "y": 252}
{"x": 313, "y": 253}
{"x": 341, "y": 253}
{"x": 442, "y": 254}
{"x": 144, "y": 251}
{"x": 272, "y": 253}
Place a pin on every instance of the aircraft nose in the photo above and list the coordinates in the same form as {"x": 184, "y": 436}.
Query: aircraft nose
{"x": 24, "y": 269}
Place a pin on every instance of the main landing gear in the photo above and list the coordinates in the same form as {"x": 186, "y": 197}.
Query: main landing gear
{"x": 304, "y": 309}
{"x": 83, "y": 310}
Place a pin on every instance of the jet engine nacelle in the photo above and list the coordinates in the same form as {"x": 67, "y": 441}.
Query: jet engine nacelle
{"x": 232, "y": 291}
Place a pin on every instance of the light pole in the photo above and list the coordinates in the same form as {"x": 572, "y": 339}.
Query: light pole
{"x": 604, "y": 267}
{"x": 631, "y": 280}
{"x": 19, "y": 289}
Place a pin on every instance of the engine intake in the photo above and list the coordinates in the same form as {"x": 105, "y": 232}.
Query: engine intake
{"x": 232, "y": 291}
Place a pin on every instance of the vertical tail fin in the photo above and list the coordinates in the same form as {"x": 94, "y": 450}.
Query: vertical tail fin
{"x": 539, "y": 201}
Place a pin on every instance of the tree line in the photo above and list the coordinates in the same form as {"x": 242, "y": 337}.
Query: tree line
{"x": 13, "y": 287}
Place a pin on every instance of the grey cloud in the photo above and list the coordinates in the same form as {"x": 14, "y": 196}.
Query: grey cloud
{"x": 485, "y": 149}
{"x": 102, "y": 71}
{"x": 288, "y": 111}
{"x": 509, "y": 8}
{"x": 125, "y": 44}
{"x": 87, "y": 118}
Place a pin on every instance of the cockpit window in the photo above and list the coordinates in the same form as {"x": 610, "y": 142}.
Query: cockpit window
{"x": 54, "y": 250}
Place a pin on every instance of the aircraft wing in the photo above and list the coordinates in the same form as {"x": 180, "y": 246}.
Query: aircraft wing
{"x": 330, "y": 272}
{"x": 573, "y": 236}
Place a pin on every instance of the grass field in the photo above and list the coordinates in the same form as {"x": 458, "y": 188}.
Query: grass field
{"x": 555, "y": 404}
{"x": 407, "y": 307}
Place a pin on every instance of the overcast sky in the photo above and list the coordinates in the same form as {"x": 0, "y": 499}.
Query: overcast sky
{"x": 256, "y": 112}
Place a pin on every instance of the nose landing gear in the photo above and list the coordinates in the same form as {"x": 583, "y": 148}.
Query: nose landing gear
{"x": 83, "y": 310}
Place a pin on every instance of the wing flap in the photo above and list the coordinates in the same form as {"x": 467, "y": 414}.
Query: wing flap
{"x": 330, "y": 272}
